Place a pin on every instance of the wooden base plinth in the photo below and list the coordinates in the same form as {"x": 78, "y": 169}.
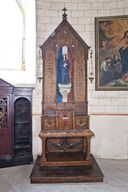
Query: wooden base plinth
{"x": 66, "y": 174}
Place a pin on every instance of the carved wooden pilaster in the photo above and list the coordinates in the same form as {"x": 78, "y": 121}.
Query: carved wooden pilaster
{"x": 43, "y": 158}
{"x": 44, "y": 141}
{"x": 85, "y": 146}
{"x": 88, "y": 157}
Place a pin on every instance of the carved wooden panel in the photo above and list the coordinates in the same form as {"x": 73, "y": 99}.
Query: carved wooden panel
{"x": 65, "y": 119}
{"x": 5, "y": 126}
{"x": 3, "y": 113}
{"x": 80, "y": 109}
{"x": 50, "y": 77}
{"x": 81, "y": 122}
{"x": 49, "y": 109}
{"x": 64, "y": 37}
{"x": 49, "y": 123}
{"x": 65, "y": 145}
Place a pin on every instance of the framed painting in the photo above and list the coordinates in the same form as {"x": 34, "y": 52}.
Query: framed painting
{"x": 111, "y": 51}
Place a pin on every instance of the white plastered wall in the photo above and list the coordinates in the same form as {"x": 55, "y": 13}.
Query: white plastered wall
{"x": 26, "y": 76}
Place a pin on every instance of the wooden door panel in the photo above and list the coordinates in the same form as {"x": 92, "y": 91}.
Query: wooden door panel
{"x": 5, "y": 127}
{"x": 4, "y": 145}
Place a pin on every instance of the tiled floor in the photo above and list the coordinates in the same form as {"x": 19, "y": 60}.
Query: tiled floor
{"x": 16, "y": 179}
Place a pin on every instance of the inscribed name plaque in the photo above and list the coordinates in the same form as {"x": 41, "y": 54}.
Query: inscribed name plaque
{"x": 79, "y": 77}
{"x": 50, "y": 77}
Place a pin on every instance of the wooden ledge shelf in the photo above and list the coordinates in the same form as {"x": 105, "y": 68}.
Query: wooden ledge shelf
{"x": 67, "y": 133}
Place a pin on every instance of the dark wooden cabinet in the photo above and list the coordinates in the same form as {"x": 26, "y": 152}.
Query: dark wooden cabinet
{"x": 15, "y": 125}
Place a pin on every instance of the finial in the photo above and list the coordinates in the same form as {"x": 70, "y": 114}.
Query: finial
{"x": 64, "y": 14}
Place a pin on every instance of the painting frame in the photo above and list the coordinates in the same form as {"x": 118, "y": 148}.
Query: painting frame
{"x": 111, "y": 57}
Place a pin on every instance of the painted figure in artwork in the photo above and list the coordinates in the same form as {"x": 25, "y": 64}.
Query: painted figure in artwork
{"x": 117, "y": 66}
{"x": 124, "y": 52}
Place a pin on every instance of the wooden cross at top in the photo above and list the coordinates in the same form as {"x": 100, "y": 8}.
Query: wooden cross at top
{"x": 64, "y": 14}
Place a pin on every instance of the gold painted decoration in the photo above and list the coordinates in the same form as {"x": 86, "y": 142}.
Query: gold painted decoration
{"x": 49, "y": 122}
{"x": 81, "y": 122}
{"x": 65, "y": 119}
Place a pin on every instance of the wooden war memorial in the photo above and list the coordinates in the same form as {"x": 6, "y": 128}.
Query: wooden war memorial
{"x": 65, "y": 132}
